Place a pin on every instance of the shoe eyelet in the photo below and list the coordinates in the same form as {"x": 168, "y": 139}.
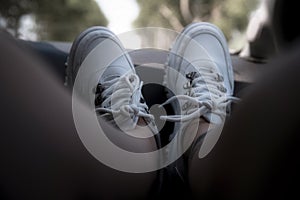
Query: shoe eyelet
{"x": 187, "y": 85}
{"x": 222, "y": 89}
{"x": 219, "y": 78}
{"x": 131, "y": 79}
{"x": 191, "y": 75}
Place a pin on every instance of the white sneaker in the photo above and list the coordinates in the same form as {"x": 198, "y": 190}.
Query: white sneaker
{"x": 118, "y": 93}
{"x": 103, "y": 76}
{"x": 200, "y": 55}
{"x": 199, "y": 73}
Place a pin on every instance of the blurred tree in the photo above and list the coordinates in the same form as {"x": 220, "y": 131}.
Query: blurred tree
{"x": 233, "y": 15}
{"x": 167, "y": 14}
{"x": 64, "y": 19}
{"x": 12, "y": 11}
{"x": 229, "y": 15}
{"x": 59, "y": 20}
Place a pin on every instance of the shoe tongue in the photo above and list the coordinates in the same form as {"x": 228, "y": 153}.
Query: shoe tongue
{"x": 197, "y": 66}
{"x": 109, "y": 78}
{"x": 213, "y": 118}
{"x": 112, "y": 72}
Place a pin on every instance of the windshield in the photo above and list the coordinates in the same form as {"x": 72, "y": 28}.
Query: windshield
{"x": 62, "y": 20}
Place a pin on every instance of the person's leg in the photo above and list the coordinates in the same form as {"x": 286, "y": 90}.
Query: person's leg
{"x": 101, "y": 72}
{"x": 200, "y": 75}
{"x": 42, "y": 155}
{"x": 257, "y": 155}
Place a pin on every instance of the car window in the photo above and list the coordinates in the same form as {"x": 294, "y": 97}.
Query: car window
{"x": 62, "y": 20}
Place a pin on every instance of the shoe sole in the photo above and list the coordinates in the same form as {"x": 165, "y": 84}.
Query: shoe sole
{"x": 71, "y": 69}
{"x": 196, "y": 28}
{"x": 177, "y": 48}
{"x": 81, "y": 44}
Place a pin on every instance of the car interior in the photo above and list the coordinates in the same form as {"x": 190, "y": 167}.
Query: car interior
{"x": 263, "y": 117}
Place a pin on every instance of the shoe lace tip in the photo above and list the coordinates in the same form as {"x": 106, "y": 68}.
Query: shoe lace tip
{"x": 164, "y": 118}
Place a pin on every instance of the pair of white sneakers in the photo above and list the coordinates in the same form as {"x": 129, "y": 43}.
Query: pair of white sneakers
{"x": 198, "y": 71}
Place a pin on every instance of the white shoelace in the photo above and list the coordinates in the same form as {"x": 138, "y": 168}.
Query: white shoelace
{"x": 122, "y": 96}
{"x": 206, "y": 94}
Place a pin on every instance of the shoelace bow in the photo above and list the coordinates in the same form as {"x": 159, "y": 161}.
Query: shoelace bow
{"x": 206, "y": 94}
{"x": 126, "y": 91}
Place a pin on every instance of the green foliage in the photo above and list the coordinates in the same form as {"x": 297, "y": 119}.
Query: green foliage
{"x": 234, "y": 15}
{"x": 13, "y": 10}
{"x": 146, "y": 10}
{"x": 59, "y": 20}
{"x": 229, "y": 15}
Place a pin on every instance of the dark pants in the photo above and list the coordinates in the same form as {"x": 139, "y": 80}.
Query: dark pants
{"x": 42, "y": 156}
